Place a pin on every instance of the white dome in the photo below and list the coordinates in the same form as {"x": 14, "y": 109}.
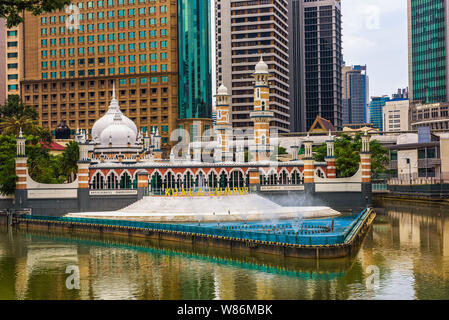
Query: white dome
{"x": 261, "y": 67}
{"x": 222, "y": 90}
{"x": 118, "y": 133}
{"x": 105, "y": 121}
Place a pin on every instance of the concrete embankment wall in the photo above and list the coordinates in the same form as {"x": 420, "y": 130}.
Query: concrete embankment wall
{"x": 299, "y": 251}
{"x": 53, "y": 203}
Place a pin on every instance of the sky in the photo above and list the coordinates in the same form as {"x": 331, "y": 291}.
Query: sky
{"x": 375, "y": 34}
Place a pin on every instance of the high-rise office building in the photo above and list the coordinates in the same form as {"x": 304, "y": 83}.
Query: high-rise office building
{"x": 11, "y": 60}
{"x": 396, "y": 115}
{"x": 69, "y": 68}
{"x": 245, "y": 32}
{"x": 355, "y": 96}
{"x": 315, "y": 62}
{"x": 400, "y": 94}
{"x": 2, "y": 61}
{"x": 195, "y": 84}
{"x": 428, "y": 32}
{"x": 376, "y": 111}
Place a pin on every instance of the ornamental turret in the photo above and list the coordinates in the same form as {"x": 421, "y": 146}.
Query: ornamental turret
{"x": 330, "y": 157}
{"x": 223, "y": 126}
{"x": 261, "y": 116}
{"x": 21, "y": 163}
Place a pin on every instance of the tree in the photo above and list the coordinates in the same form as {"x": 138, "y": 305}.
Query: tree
{"x": 8, "y": 176}
{"x": 347, "y": 154}
{"x": 15, "y": 115}
{"x": 15, "y": 107}
{"x": 68, "y": 165}
{"x": 12, "y": 10}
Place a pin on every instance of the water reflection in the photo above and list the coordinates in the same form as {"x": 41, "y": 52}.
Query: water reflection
{"x": 409, "y": 245}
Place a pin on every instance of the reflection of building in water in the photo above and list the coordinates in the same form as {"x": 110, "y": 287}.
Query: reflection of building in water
{"x": 445, "y": 234}
{"x": 427, "y": 232}
{"x": 113, "y": 274}
{"x": 42, "y": 258}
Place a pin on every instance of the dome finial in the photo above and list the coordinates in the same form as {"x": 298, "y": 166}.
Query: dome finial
{"x": 261, "y": 67}
{"x": 113, "y": 90}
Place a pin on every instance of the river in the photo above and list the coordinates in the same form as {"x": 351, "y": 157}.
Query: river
{"x": 404, "y": 256}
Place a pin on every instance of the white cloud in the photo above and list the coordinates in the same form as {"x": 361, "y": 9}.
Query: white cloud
{"x": 375, "y": 33}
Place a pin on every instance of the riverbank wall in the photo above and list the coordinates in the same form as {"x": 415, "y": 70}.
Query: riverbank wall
{"x": 310, "y": 247}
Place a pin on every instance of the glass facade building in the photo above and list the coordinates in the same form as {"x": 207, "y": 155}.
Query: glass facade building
{"x": 69, "y": 70}
{"x": 355, "y": 94}
{"x": 376, "y": 111}
{"x": 315, "y": 63}
{"x": 427, "y": 50}
{"x": 195, "y": 85}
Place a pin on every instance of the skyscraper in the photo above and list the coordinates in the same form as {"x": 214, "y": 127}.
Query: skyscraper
{"x": 195, "y": 86}
{"x": 245, "y": 32}
{"x": 2, "y": 61}
{"x": 11, "y": 60}
{"x": 355, "y": 94}
{"x": 69, "y": 68}
{"x": 315, "y": 62}
{"x": 376, "y": 111}
{"x": 428, "y": 32}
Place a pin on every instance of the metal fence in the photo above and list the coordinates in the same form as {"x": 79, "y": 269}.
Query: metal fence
{"x": 313, "y": 239}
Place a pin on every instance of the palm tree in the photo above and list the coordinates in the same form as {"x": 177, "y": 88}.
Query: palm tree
{"x": 69, "y": 161}
{"x": 12, "y": 125}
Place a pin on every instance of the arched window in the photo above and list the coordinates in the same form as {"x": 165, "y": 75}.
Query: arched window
{"x": 112, "y": 181}
{"x": 283, "y": 179}
{"x": 156, "y": 183}
{"x": 170, "y": 181}
{"x": 263, "y": 105}
{"x": 297, "y": 178}
{"x": 97, "y": 181}
{"x": 179, "y": 182}
{"x": 319, "y": 173}
{"x": 200, "y": 181}
{"x": 213, "y": 183}
{"x": 236, "y": 180}
{"x": 223, "y": 180}
{"x": 188, "y": 180}
{"x": 125, "y": 181}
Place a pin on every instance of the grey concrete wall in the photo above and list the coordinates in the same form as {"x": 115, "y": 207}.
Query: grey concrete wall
{"x": 6, "y": 203}
{"x": 110, "y": 203}
{"x": 52, "y": 207}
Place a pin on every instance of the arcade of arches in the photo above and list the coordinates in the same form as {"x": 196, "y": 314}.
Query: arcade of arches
{"x": 187, "y": 179}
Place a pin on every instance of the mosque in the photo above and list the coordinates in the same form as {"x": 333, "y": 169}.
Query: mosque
{"x": 121, "y": 164}
{"x": 118, "y": 152}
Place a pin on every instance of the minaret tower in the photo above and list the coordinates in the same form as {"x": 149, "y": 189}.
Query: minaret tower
{"x": 21, "y": 171}
{"x": 157, "y": 151}
{"x": 223, "y": 126}
{"x": 261, "y": 115}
